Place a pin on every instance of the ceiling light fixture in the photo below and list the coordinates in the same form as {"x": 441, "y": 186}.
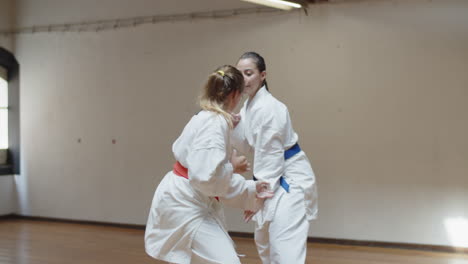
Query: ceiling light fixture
{"x": 280, "y": 4}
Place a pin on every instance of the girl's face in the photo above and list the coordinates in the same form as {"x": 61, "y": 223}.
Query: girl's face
{"x": 253, "y": 78}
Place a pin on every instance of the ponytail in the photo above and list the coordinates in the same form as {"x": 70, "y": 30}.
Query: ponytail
{"x": 220, "y": 84}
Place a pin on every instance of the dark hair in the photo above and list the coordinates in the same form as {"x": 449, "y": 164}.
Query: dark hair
{"x": 259, "y": 62}
{"x": 220, "y": 84}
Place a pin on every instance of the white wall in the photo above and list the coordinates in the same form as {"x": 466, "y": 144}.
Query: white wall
{"x": 7, "y": 186}
{"x": 44, "y": 12}
{"x": 7, "y": 195}
{"x": 7, "y": 21}
{"x": 376, "y": 89}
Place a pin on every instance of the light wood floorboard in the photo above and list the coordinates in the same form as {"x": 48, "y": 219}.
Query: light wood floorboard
{"x": 45, "y": 242}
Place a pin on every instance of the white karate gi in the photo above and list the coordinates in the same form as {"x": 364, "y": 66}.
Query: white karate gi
{"x": 282, "y": 225}
{"x": 186, "y": 222}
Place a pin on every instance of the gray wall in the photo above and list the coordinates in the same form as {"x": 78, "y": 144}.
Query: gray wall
{"x": 7, "y": 21}
{"x": 376, "y": 90}
{"x": 7, "y": 186}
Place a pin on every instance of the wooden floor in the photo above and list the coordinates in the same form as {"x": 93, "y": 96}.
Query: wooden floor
{"x": 43, "y": 242}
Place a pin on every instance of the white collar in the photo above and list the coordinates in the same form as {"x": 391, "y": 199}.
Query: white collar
{"x": 260, "y": 93}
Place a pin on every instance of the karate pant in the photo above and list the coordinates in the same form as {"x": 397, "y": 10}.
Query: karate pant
{"x": 212, "y": 245}
{"x": 284, "y": 239}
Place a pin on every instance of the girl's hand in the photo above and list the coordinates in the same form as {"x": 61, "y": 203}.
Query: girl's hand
{"x": 263, "y": 193}
{"x": 263, "y": 190}
{"x": 235, "y": 119}
{"x": 239, "y": 163}
{"x": 248, "y": 215}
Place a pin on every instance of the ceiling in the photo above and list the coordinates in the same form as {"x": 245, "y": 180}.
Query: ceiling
{"x": 43, "y": 12}
{"x": 46, "y": 12}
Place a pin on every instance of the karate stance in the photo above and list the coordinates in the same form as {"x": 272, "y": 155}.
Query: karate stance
{"x": 186, "y": 219}
{"x": 265, "y": 128}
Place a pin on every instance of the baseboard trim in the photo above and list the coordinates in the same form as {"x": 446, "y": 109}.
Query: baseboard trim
{"x": 72, "y": 221}
{"x": 366, "y": 243}
{"x": 7, "y": 216}
{"x": 380, "y": 244}
{"x": 320, "y": 240}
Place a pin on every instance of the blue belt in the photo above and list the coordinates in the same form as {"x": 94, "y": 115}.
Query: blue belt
{"x": 287, "y": 154}
{"x": 292, "y": 151}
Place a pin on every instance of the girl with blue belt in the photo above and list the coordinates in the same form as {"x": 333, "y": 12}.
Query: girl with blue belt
{"x": 265, "y": 129}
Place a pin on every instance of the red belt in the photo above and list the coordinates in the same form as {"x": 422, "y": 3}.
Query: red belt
{"x": 181, "y": 171}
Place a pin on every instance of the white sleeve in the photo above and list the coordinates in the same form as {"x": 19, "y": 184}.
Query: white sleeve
{"x": 210, "y": 171}
{"x": 241, "y": 193}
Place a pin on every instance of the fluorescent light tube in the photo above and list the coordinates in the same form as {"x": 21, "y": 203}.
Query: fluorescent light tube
{"x": 280, "y": 4}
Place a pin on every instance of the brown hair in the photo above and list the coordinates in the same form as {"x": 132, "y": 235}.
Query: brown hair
{"x": 220, "y": 84}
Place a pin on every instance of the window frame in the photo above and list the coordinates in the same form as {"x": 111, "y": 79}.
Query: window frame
{"x": 9, "y": 62}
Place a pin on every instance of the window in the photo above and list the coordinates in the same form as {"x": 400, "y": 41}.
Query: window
{"x": 9, "y": 114}
{"x": 3, "y": 110}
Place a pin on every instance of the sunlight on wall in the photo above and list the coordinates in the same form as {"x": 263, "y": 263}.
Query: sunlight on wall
{"x": 457, "y": 229}
{"x": 3, "y": 114}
